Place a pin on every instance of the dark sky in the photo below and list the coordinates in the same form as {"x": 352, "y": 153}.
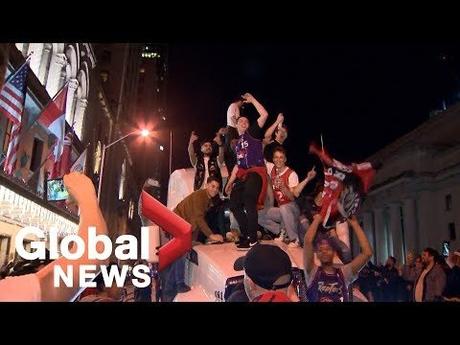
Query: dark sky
{"x": 361, "y": 97}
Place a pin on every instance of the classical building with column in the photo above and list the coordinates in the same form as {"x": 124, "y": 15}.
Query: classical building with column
{"x": 415, "y": 200}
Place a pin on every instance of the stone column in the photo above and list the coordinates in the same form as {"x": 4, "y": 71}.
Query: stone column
{"x": 79, "y": 118}
{"x": 424, "y": 216}
{"x": 44, "y": 63}
{"x": 396, "y": 232}
{"x": 410, "y": 226}
{"x": 368, "y": 227}
{"x": 380, "y": 236}
{"x": 71, "y": 98}
{"x": 56, "y": 74}
{"x": 36, "y": 58}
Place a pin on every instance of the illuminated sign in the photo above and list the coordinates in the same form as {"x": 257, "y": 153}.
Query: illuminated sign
{"x": 16, "y": 209}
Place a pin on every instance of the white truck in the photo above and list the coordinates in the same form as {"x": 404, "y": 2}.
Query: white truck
{"x": 210, "y": 273}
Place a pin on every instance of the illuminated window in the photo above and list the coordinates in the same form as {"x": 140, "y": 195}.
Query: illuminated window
{"x": 121, "y": 190}
{"x": 149, "y": 55}
{"x": 131, "y": 209}
{"x": 104, "y": 76}
{"x": 97, "y": 158}
{"x": 142, "y": 70}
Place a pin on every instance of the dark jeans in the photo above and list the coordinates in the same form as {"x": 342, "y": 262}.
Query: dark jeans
{"x": 216, "y": 218}
{"x": 243, "y": 204}
{"x": 172, "y": 277}
{"x": 229, "y": 154}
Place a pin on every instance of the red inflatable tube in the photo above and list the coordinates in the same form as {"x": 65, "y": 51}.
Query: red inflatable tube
{"x": 173, "y": 225}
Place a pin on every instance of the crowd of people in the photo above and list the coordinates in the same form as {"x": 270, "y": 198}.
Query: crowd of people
{"x": 427, "y": 277}
{"x": 266, "y": 199}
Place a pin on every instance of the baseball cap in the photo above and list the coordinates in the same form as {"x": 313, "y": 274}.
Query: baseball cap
{"x": 267, "y": 265}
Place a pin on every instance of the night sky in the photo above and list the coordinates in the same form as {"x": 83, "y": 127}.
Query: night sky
{"x": 361, "y": 97}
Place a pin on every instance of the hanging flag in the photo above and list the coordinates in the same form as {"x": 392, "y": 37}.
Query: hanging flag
{"x": 12, "y": 99}
{"x": 53, "y": 118}
{"x": 62, "y": 166}
{"x": 80, "y": 163}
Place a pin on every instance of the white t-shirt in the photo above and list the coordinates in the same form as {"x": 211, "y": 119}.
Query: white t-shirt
{"x": 419, "y": 286}
{"x": 233, "y": 113}
{"x": 24, "y": 288}
{"x": 293, "y": 178}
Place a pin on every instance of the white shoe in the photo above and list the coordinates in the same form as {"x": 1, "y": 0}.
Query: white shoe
{"x": 230, "y": 237}
{"x": 294, "y": 244}
{"x": 282, "y": 236}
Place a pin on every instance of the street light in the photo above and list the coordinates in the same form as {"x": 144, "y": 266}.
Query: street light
{"x": 143, "y": 133}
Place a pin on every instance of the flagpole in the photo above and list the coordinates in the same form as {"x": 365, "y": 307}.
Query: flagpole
{"x": 19, "y": 135}
{"x": 16, "y": 72}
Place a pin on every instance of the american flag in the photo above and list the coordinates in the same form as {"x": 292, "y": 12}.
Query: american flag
{"x": 12, "y": 97}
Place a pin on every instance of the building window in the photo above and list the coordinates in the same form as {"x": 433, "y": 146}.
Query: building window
{"x": 448, "y": 202}
{"x": 37, "y": 151}
{"x": 121, "y": 191}
{"x": 131, "y": 209}
{"x": 97, "y": 158}
{"x": 6, "y": 138}
{"x": 452, "y": 234}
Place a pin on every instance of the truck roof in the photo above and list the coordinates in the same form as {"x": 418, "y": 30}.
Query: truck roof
{"x": 224, "y": 255}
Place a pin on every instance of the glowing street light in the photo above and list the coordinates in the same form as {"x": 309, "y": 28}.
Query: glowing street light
{"x": 144, "y": 133}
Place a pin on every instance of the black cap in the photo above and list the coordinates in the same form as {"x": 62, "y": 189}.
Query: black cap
{"x": 267, "y": 265}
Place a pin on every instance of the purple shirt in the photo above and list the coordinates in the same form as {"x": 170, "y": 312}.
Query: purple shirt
{"x": 249, "y": 150}
{"x": 324, "y": 287}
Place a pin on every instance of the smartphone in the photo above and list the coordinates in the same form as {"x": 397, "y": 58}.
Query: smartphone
{"x": 445, "y": 248}
{"x": 56, "y": 191}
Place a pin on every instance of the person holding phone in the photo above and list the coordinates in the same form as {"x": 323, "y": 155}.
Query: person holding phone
{"x": 56, "y": 190}
{"x": 39, "y": 287}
